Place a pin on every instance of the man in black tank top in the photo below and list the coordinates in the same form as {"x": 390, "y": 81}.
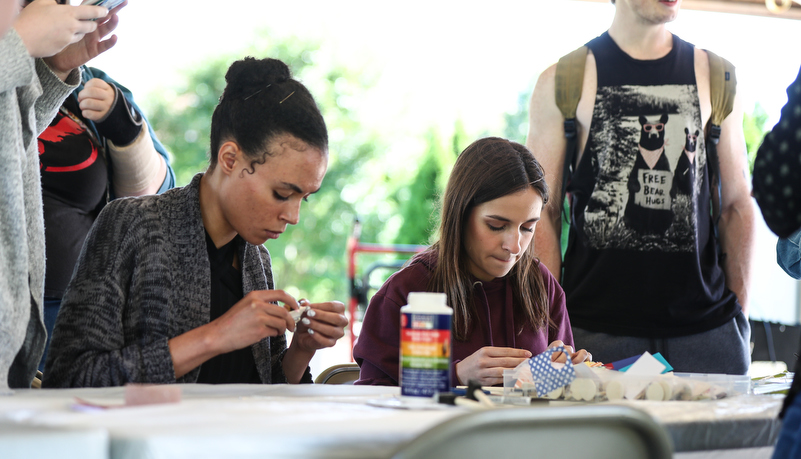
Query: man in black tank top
{"x": 643, "y": 270}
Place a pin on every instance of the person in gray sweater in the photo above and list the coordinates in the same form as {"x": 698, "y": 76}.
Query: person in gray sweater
{"x": 38, "y": 60}
{"x": 178, "y": 287}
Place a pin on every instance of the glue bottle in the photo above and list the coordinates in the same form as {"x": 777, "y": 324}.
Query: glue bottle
{"x": 425, "y": 345}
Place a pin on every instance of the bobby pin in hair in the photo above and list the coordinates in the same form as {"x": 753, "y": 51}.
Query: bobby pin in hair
{"x": 260, "y": 90}
{"x": 287, "y": 97}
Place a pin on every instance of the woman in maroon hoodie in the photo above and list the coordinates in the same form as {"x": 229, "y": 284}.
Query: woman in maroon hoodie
{"x": 506, "y": 304}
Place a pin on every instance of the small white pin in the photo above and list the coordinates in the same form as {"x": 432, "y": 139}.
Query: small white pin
{"x": 298, "y": 313}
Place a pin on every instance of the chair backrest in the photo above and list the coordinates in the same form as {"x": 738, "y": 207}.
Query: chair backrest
{"x": 775, "y": 342}
{"x": 344, "y": 373}
{"x": 598, "y": 431}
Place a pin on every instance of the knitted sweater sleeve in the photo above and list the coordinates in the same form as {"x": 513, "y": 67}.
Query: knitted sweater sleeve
{"x": 113, "y": 325}
{"x": 54, "y": 91}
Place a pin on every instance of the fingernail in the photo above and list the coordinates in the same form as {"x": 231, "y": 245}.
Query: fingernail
{"x": 311, "y": 332}
{"x": 311, "y": 313}
{"x": 305, "y": 321}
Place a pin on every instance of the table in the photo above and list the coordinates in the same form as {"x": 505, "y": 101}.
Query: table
{"x": 327, "y": 421}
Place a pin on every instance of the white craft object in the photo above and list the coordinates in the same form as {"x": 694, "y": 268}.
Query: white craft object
{"x": 297, "y": 313}
{"x": 615, "y": 390}
{"x": 655, "y": 392}
{"x": 555, "y": 394}
{"x": 698, "y": 389}
{"x": 583, "y": 389}
{"x": 667, "y": 387}
{"x": 682, "y": 390}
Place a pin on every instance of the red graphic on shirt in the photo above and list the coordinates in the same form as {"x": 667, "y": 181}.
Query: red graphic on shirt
{"x": 65, "y": 127}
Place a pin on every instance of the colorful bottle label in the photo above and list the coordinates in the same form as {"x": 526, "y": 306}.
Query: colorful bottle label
{"x": 425, "y": 354}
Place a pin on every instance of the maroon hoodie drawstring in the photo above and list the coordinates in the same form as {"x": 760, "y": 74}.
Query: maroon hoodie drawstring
{"x": 485, "y": 325}
{"x": 510, "y": 315}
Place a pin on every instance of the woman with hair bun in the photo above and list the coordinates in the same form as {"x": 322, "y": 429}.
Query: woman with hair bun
{"x": 506, "y": 304}
{"x": 178, "y": 287}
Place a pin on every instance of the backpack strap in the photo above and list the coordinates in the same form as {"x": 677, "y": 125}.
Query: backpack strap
{"x": 569, "y": 81}
{"x": 722, "y": 89}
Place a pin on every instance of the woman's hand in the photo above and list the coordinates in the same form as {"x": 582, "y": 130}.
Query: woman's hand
{"x": 96, "y": 99}
{"x": 87, "y": 48}
{"x": 255, "y": 317}
{"x": 46, "y": 27}
{"x": 486, "y": 365}
{"x": 576, "y": 357}
{"x": 321, "y": 326}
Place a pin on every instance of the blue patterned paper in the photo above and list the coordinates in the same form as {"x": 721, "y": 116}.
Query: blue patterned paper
{"x": 547, "y": 377}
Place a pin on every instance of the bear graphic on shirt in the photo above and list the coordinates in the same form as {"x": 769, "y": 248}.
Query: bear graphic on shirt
{"x": 684, "y": 175}
{"x": 648, "y": 210}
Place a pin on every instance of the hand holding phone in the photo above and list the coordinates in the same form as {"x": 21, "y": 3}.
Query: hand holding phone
{"x": 108, "y": 4}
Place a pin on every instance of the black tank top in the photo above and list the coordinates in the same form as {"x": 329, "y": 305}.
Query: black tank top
{"x": 641, "y": 258}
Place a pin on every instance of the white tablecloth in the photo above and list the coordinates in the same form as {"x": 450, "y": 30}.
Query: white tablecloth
{"x": 324, "y": 421}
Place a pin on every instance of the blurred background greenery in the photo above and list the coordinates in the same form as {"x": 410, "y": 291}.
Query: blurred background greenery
{"x": 394, "y": 198}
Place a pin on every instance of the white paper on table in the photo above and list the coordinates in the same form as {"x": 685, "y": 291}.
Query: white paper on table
{"x": 646, "y": 365}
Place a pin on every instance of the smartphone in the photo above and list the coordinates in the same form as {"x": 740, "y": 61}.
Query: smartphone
{"x": 108, "y": 4}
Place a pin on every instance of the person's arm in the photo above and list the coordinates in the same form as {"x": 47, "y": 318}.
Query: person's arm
{"x": 560, "y": 328}
{"x": 66, "y": 37}
{"x": 560, "y": 332}
{"x": 546, "y": 140}
{"x": 322, "y": 326}
{"x": 118, "y": 286}
{"x": 48, "y": 28}
{"x": 19, "y": 70}
{"x": 168, "y": 181}
{"x": 18, "y": 67}
{"x": 137, "y": 167}
{"x": 777, "y": 175}
{"x": 736, "y": 225}
{"x": 487, "y": 364}
{"x": 89, "y": 347}
{"x": 255, "y": 317}
{"x": 54, "y": 91}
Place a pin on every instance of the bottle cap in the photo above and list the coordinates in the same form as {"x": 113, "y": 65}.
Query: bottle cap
{"x": 427, "y": 299}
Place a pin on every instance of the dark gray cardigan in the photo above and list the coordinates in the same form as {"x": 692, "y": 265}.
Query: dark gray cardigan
{"x": 143, "y": 278}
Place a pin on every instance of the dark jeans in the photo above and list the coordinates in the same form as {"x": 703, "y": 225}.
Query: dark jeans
{"x": 726, "y": 349}
{"x": 51, "y": 306}
{"x": 789, "y": 444}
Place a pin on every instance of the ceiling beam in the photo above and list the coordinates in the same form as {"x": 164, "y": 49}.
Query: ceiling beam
{"x": 747, "y": 7}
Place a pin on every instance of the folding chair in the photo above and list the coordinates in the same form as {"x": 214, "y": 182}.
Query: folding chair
{"x": 599, "y": 431}
{"x": 344, "y": 373}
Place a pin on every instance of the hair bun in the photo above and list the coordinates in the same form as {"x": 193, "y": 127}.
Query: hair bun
{"x": 250, "y": 74}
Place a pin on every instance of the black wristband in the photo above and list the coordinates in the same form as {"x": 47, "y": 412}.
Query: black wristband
{"x": 122, "y": 123}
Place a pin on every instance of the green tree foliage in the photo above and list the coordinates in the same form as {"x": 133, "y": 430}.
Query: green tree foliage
{"x": 754, "y": 128}
{"x": 516, "y": 123}
{"x": 419, "y": 200}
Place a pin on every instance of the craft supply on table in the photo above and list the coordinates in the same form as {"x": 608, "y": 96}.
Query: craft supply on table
{"x": 642, "y": 377}
{"x": 425, "y": 345}
{"x": 298, "y": 313}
